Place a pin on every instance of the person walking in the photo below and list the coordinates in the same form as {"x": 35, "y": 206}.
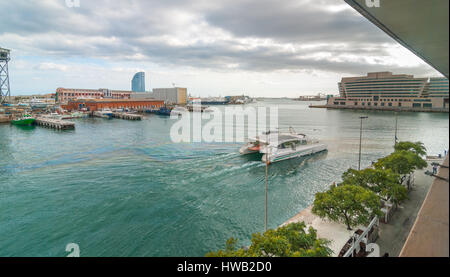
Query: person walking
{"x": 435, "y": 169}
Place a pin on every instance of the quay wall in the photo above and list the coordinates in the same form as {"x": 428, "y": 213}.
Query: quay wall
{"x": 395, "y": 109}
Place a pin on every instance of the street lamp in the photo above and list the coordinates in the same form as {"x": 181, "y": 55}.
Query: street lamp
{"x": 360, "y": 140}
{"x": 267, "y": 180}
{"x": 396, "y": 128}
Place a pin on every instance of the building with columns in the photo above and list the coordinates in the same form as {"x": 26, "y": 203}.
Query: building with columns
{"x": 384, "y": 90}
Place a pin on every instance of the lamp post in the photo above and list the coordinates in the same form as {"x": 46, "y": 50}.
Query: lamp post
{"x": 396, "y": 128}
{"x": 360, "y": 140}
{"x": 267, "y": 180}
{"x": 267, "y": 173}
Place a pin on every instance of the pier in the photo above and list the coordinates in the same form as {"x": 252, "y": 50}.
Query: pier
{"x": 128, "y": 116}
{"x": 5, "y": 119}
{"x": 55, "y": 123}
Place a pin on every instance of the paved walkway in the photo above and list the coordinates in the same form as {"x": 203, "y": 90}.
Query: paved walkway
{"x": 393, "y": 235}
{"x": 337, "y": 233}
{"x": 429, "y": 236}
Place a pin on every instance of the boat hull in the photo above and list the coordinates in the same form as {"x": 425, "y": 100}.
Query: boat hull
{"x": 245, "y": 150}
{"x": 103, "y": 115}
{"x": 23, "y": 122}
{"x": 285, "y": 155}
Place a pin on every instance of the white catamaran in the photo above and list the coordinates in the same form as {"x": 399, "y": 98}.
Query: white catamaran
{"x": 277, "y": 146}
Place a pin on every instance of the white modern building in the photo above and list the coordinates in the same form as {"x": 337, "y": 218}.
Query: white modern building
{"x": 384, "y": 90}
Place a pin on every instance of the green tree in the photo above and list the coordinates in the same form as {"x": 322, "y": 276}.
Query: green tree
{"x": 385, "y": 183}
{"x": 402, "y": 162}
{"x": 349, "y": 204}
{"x": 416, "y": 147}
{"x": 291, "y": 240}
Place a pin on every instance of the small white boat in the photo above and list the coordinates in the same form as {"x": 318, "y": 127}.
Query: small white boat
{"x": 79, "y": 115}
{"x": 53, "y": 116}
{"x": 38, "y": 104}
{"x": 279, "y": 146}
{"x": 75, "y": 115}
{"x": 179, "y": 111}
{"x": 105, "y": 113}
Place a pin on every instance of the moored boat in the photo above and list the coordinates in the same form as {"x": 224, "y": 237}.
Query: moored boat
{"x": 25, "y": 120}
{"x": 105, "y": 113}
{"x": 164, "y": 111}
{"x": 38, "y": 104}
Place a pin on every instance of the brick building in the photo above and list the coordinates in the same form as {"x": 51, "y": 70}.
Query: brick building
{"x": 63, "y": 95}
{"x": 99, "y": 104}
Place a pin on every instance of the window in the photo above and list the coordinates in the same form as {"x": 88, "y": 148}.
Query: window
{"x": 390, "y": 104}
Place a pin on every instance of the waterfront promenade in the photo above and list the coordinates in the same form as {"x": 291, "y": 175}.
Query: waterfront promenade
{"x": 335, "y": 232}
{"x": 429, "y": 236}
{"x": 393, "y": 235}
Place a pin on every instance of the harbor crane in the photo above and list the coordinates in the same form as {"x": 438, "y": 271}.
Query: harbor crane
{"x": 5, "y": 92}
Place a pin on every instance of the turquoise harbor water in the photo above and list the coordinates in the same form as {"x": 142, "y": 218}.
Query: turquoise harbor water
{"x": 122, "y": 188}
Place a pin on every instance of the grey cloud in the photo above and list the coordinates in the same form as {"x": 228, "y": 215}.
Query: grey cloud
{"x": 88, "y": 31}
{"x": 289, "y": 21}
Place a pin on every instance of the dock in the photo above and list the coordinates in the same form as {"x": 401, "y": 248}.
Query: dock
{"x": 378, "y": 108}
{"x": 4, "y": 119}
{"x": 128, "y": 116}
{"x": 55, "y": 123}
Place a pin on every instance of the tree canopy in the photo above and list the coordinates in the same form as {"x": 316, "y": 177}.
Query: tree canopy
{"x": 402, "y": 162}
{"x": 349, "y": 204}
{"x": 385, "y": 183}
{"x": 416, "y": 147}
{"x": 291, "y": 240}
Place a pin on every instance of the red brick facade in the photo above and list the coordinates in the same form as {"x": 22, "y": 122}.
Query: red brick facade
{"x": 66, "y": 94}
{"x": 94, "y": 105}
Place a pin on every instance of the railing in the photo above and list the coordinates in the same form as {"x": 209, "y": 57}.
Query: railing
{"x": 361, "y": 237}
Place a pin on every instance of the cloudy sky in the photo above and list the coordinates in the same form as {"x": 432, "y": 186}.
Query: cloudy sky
{"x": 213, "y": 47}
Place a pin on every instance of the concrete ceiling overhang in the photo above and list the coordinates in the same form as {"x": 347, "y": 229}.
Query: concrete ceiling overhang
{"x": 419, "y": 25}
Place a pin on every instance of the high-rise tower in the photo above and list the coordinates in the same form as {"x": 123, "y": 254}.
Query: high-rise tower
{"x": 138, "y": 82}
